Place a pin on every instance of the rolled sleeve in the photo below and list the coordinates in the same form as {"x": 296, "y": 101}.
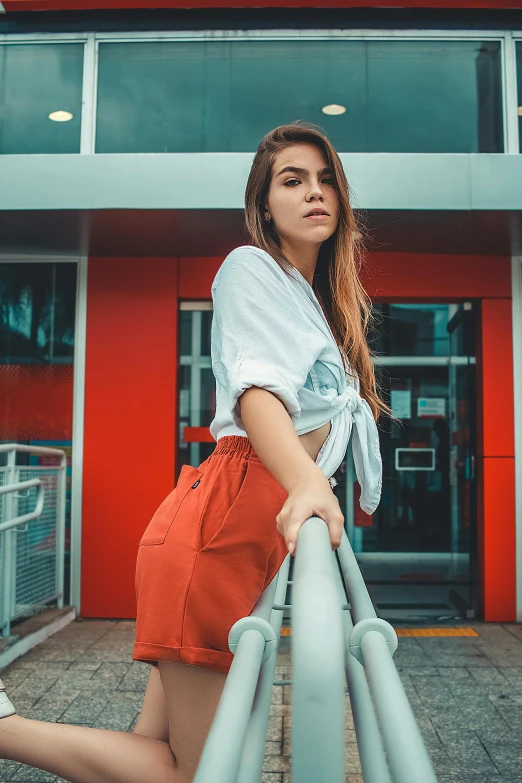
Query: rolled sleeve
{"x": 252, "y": 372}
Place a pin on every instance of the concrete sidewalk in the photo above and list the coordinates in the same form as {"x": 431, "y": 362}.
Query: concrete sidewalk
{"x": 466, "y": 693}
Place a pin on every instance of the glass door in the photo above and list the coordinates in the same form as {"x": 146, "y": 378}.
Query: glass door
{"x": 417, "y": 552}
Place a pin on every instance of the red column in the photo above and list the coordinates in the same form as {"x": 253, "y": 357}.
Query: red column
{"x": 496, "y": 463}
{"x": 130, "y": 415}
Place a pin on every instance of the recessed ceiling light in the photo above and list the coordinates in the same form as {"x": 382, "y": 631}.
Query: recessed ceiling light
{"x": 60, "y": 116}
{"x": 333, "y": 108}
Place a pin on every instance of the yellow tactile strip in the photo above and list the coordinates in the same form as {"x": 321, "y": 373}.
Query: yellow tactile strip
{"x": 418, "y": 632}
{"x": 436, "y": 632}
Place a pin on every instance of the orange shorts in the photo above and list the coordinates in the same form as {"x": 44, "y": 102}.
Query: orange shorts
{"x": 208, "y": 553}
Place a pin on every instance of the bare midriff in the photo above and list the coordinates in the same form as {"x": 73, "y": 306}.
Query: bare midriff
{"x": 312, "y": 441}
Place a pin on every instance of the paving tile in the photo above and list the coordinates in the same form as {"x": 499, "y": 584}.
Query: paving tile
{"x": 418, "y": 671}
{"x": 119, "y": 712}
{"x": 514, "y": 630}
{"x": 496, "y": 732}
{"x": 7, "y": 769}
{"x": 84, "y": 709}
{"x": 13, "y": 677}
{"x": 280, "y": 709}
{"x": 72, "y": 679}
{"x": 480, "y": 778}
{"x": 54, "y": 700}
{"x": 488, "y": 676}
{"x": 33, "y": 686}
{"x": 275, "y": 728}
{"x": 433, "y": 692}
{"x": 49, "y": 714}
{"x": 506, "y": 756}
{"x": 506, "y": 654}
{"x": 82, "y": 665}
{"x": 277, "y": 695}
{"x": 276, "y": 764}
{"x": 468, "y": 755}
{"x": 454, "y": 672}
{"x": 26, "y": 774}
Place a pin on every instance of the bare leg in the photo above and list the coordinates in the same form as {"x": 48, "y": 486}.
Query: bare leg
{"x": 86, "y": 755}
{"x": 154, "y": 719}
{"x": 192, "y": 695}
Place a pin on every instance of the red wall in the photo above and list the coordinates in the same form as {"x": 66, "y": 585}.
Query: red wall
{"x": 36, "y": 402}
{"x": 75, "y": 5}
{"x": 131, "y": 406}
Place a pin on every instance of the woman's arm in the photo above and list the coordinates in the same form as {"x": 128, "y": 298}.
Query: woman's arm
{"x": 275, "y": 441}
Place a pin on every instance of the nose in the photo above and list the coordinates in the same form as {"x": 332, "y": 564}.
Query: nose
{"x": 315, "y": 191}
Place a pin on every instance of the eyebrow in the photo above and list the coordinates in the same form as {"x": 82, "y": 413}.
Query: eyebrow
{"x": 298, "y": 170}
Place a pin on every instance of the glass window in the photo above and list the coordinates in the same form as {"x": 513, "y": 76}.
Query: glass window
{"x": 398, "y": 96}
{"x": 37, "y": 311}
{"x": 197, "y": 386}
{"x": 185, "y": 332}
{"x": 410, "y": 330}
{"x": 40, "y": 98}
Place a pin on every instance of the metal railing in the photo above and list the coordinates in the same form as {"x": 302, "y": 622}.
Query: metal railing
{"x": 336, "y": 639}
{"x": 32, "y": 533}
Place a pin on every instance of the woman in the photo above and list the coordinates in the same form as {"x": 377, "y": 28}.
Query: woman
{"x": 294, "y": 377}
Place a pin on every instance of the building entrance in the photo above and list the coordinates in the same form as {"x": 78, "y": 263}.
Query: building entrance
{"x": 417, "y": 552}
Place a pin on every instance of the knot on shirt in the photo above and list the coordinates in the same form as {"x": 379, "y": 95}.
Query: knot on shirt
{"x": 350, "y": 399}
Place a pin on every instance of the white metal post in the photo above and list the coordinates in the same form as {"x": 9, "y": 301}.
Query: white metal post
{"x": 509, "y": 90}
{"x": 8, "y": 538}
{"x": 80, "y": 339}
{"x": 60, "y": 527}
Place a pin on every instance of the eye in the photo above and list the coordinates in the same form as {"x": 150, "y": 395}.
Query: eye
{"x": 328, "y": 180}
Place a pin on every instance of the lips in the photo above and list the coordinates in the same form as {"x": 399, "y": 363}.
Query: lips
{"x": 317, "y": 212}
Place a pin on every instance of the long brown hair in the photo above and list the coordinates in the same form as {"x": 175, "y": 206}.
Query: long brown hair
{"x": 345, "y": 303}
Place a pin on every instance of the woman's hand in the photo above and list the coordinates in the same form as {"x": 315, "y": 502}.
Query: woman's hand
{"x": 311, "y": 499}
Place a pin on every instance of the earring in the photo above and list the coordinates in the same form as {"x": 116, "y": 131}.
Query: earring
{"x": 268, "y": 219}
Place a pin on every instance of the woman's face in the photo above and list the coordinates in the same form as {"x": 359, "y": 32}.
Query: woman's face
{"x": 294, "y": 193}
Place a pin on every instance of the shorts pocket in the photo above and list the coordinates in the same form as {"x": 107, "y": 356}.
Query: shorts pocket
{"x": 222, "y": 494}
{"x": 189, "y": 481}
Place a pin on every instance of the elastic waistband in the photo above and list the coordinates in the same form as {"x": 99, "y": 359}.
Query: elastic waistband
{"x": 240, "y": 446}
{"x": 236, "y": 446}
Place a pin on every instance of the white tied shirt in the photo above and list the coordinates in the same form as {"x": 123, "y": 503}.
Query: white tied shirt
{"x": 269, "y": 330}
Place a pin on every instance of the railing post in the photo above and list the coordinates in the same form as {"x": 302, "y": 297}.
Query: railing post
{"x": 7, "y": 565}
{"x": 253, "y": 752}
{"x": 407, "y": 755}
{"x": 318, "y": 690}
{"x": 61, "y": 486}
{"x": 369, "y": 741}
{"x": 372, "y": 643}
